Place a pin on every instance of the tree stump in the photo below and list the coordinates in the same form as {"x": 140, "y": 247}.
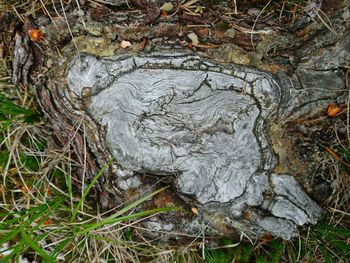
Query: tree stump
{"x": 216, "y": 132}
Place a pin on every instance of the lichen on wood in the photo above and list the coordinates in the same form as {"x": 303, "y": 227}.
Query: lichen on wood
{"x": 206, "y": 124}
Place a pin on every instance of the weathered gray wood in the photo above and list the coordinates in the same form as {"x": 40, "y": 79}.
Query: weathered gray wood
{"x": 206, "y": 124}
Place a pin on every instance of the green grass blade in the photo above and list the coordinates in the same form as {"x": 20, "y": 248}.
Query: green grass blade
{"x": 8, "y": 107}
{"x": 326, "y": 254}
{"x": 36, "y": 247}
{"x": 41, "y": 209}
{"x": 19, "y": 247}
{"x": 109, "y": 221}
{"x": 125, "y": 209}
{"x": 136, "y": 203}
{"x": 61, "y": 246}
{"x": 69, "y": 187}
{"x": 86, "y": 192}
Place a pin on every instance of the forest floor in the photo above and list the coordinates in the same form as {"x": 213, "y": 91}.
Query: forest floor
{"x": 46, "y": 218}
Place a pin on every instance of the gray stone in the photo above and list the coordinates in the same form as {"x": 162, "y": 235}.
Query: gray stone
{"x": 230, "y": 33}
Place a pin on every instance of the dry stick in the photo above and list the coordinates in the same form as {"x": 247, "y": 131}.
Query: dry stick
{"x": 338, "y": 211}
{"x": 256, "y": 20}
{"x": 11, "y": 153}
{"x": 235, "y": 4}
{"x": 299, "y": 248}
{"x": 78, "y": 4}
{"x": 20, "y": 17}
{"x": 79, "y": 8}
{"x": 187, "y": 7}
{"x": 206, "y": 46}
{"x": 98, "y": 2}
{"x": 250, "y": 31}
{"x": 48, "y": 13}
{"x": 193, "y": 26}
{"x": 69, "y": 29}
{"x": 84, "y": 166}
{"x": 281, "y": 11}
{"x": 335, "y": 200}
{"x": 335, "y": 156}
{"x": 329, "y": 27}
{"x": 188, "y": 4}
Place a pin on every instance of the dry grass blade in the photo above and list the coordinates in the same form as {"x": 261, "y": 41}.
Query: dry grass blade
{"x": 68, "y": 26}
{"x": 235, "y": 7}
{"x": 256, "y": 20}
{"x": 337, "y": 157}
{"x": 347, "y": 80}
{"x": 251, "y": 31}
{"x": 188, "y": 7}
{"x": 313, "y": 10}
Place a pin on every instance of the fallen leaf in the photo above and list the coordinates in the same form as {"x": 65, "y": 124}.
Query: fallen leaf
{"x": 143, "y": 43}
{"x": 247, "y": 215}
{"x": 194, "y": 38}
{"x": 125, "y": 44}
{"x": 167, "y": 7}
{"x": 266, "y": 237}
{"x": 333, "y": 110}
{"x": 36, "y": 35}
{"x": 48, "y": 222}
{"x": 195, "y": 210}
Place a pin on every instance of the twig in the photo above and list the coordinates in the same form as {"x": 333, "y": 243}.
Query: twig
{"x": 256, "y": 20}
{"x": 338, "y": 211}
{"x": 206, "y": 46}
{"x": 336, "y": 156}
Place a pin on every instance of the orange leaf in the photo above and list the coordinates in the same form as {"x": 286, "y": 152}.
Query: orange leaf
{"x": 333, "y": 110}
{"x": 266, "y": 237}
{"x": 36, "y": 35}
{"x": 48, "y": 222}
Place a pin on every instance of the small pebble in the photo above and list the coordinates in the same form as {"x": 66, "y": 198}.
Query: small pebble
{"x": 321, "y": 191}
{"x": 254, "y": 11}
{"x": 230, "y": 33}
